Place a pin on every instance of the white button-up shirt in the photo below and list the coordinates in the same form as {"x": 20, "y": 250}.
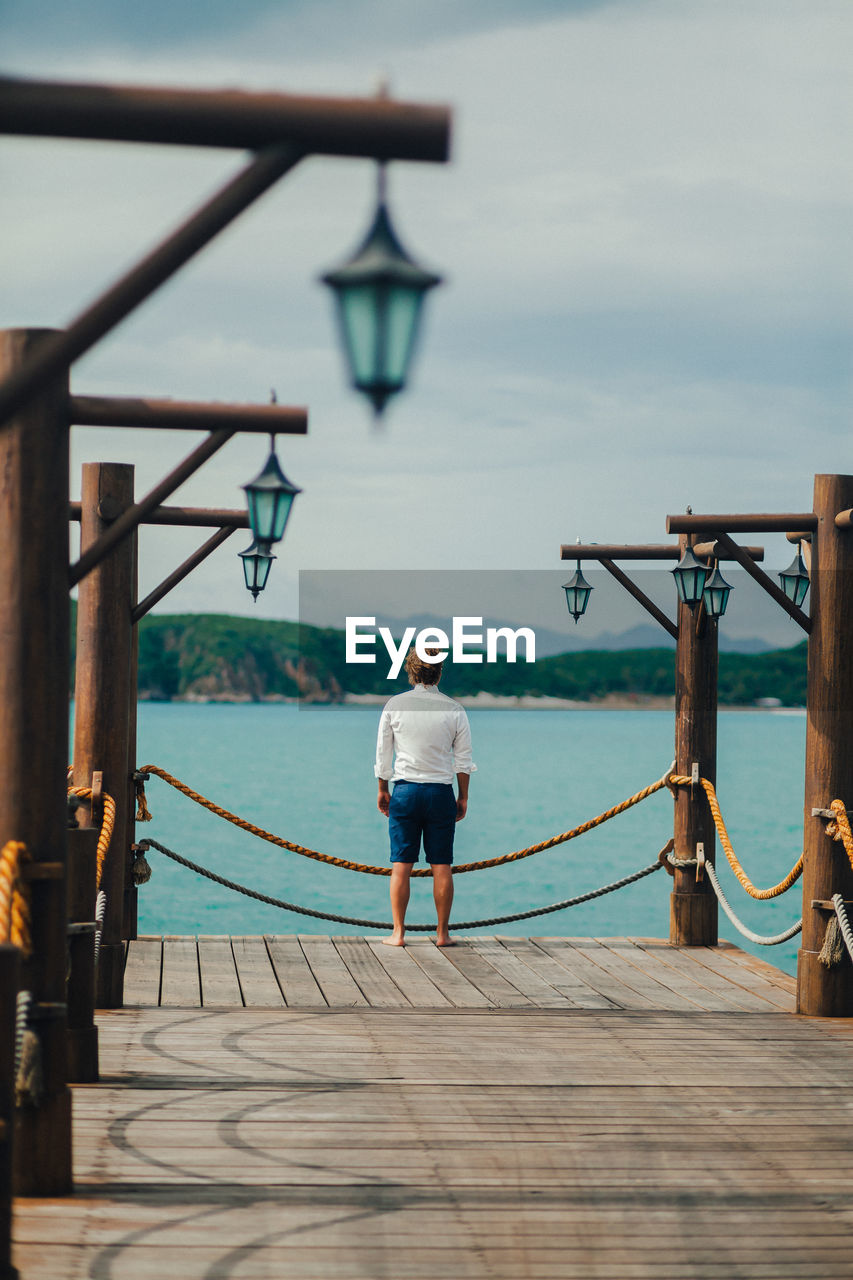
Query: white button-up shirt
{"x": 424, "y": 736}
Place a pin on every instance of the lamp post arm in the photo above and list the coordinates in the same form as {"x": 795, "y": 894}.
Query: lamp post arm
{"x": 764, "y": 581}
{"x": 640, "y": 596}
{"x": 57, "y": 352}
{"x": 133, "y": 516}
{"x": 187, "y": 415}
{"x": 194, "y": 517}
{"x": 182, "y": 571}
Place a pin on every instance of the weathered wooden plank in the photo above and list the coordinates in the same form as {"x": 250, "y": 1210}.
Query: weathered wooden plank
{"x": 684, "y": 981}
{"x": 142, "y": 972}
{"x": 725, "y": 964}
{"x": 497, "y": 990}
{"x": 219, "y": 983}
{"x": 683, "y": 960}
{"x": 293, "y": 972}
{"x": 371, "y": 978}
{"x": 450, "y": 982}
{"x": 650, "y": 993}
{"x": 257, "y": 979}
{"x": 330, "y": 972}
{"x": 762, "y": 967}
{"x": 180, "y": 983}
{"x": 593, "y": 975}
{"x": 418, "y": 989}
{"x": 517, "y": 972}
{"x": 564, "y": 980}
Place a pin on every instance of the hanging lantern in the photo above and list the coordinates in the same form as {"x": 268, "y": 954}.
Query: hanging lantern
{"x": 577, "y": 591}
{"x": 257, "y": 562}
{"x": 716, "y": 594}
{"x": 379, "y": 292}
{"x": 690, "y": 577}
{"x": 269, "y": 498}
{"x": 795, "y": 580}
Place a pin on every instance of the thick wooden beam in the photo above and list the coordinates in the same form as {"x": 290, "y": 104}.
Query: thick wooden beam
{"x": 186, "y": 415}
{"x": 764, "y": 581}
{"x": 34, "y": 682}
{"x": 829, "y": 746}
{"x": 62, "y": 348}
{"x": 122, "y": 524}
{"x": 226, "y": 118}
{"x": 768, "y": 523}
{"x": 693, "y": 906}
{"x": 640, "y": 596}
{"x": 178, "y": 575}
{"x": 193, "y": 517}
{"x": 102, "y": 698}
{"x": 661, "y": 551}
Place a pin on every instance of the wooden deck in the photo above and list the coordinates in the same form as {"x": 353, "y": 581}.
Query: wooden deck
{"x": 311, "y": 972}
{"x": 514, "y": 1109}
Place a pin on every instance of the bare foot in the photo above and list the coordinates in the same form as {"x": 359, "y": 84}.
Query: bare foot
{"x": 395, "y": 940}
{"x": 446, "y": 941}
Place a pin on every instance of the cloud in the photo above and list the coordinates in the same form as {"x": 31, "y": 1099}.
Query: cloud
{"x": 644, "y": 232}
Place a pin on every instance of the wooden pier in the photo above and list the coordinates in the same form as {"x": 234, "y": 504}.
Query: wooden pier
{"x": 511, "y": 1108}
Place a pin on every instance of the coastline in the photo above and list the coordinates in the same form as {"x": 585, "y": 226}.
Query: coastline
{"x": 480, "y": 702}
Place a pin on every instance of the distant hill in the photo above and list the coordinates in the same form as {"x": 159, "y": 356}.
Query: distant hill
{"x": 214, "y": 657}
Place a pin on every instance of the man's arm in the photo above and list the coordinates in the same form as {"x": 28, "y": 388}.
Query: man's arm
{"x": 384, "y": 762}
{"x": 462, "y": 780}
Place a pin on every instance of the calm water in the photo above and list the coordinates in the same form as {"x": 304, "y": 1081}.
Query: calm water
{"x": 307, "y": 773}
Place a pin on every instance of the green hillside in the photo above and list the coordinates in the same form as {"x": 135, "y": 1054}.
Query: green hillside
{"x": 214, "y": 656}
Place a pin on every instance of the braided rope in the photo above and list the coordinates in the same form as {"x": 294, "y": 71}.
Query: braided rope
{"x": 842, "y": 827}
{"x": 761, "y": 939}
{"x": 100, "y": 912}
{"x": 15, "y": 914}
{"x": 108, "y": 821}
{"x": 386, "y": 924}
{"x": 366, "y": 868}
{"x": 844, "y": 923}
{"x": 762, "y": 894}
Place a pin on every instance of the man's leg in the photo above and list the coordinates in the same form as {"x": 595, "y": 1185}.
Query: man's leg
{"x": 401, "y": 873}
{"x": 442, "y": 892}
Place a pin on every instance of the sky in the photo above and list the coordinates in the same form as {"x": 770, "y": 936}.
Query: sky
{"x": 644, "y": 233}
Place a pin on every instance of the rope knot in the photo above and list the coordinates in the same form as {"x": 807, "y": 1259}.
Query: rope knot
{"x": 143, "y": 814}
{"x": 141, "y": 868}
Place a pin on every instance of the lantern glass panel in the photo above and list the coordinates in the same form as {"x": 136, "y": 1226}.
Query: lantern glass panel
{"x": 795, "y": 580}
{"x": 577, "y": 591}
{"x": 716, "y": 595}
{"x": 690, "y": 576}
{"x": 357, "y": 312}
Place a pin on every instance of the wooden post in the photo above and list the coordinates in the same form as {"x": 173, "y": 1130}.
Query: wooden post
{"x": 9, "y": 975}
{"x": 82, "y": 1032}
{"x": 131, "y": 892}
{"x": 34, "y": 683}
{"x": 693, "y": 906}
{"x": 829, "y": 745}
{"x": 104, "y": 642}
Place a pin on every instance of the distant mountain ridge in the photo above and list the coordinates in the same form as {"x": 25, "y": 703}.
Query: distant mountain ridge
{"x": 217, "y": 657}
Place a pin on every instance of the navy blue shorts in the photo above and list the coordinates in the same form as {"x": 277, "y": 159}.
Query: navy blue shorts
{"x": 425, "y": 809}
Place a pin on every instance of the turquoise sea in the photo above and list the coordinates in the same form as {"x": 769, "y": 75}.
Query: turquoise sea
{"x": 307, "y": 773}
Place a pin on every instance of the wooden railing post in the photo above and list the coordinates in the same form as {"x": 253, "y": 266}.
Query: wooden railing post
{"x": 131, "y": 892}
{"x": 9, "y": 976}
{"x": 82, "y": 1032}
{"x": 34, "y": 682}
{"x": 829, "y": 746}
{"x": 693, "y": 906}
{"x": 104, "y": 643}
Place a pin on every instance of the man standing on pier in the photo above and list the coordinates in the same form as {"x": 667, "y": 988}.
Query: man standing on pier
{"x": 424, "y": 738}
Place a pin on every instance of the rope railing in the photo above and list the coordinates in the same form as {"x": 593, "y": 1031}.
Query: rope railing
{"x": 680, "y": 780}
{"x": 843, "y": 922}
{"x": 15, "y": 911}
{"x": 143, "y": 815}
{"x": 108, "y": 819}
{"x": 762, "y": 940}
{"x": 386, "y": 924}
{"x": 840, "y": 828}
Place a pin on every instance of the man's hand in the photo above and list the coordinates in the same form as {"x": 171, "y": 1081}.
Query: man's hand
{"x": 461, "y": 807}
{"x": 383, "y": 800}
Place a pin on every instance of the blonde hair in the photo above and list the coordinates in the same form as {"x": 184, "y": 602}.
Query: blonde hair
{"x": 420, "y": 672}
